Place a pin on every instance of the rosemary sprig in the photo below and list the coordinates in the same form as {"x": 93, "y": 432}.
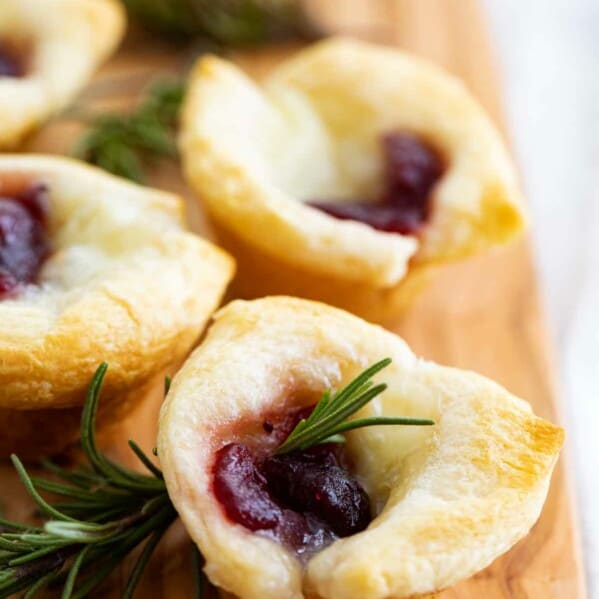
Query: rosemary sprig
{"x": 107, "y": 511}
{"x": 328, "y": 420}
{"x": 124, "y": 144}
{"x": 230, "y": 22}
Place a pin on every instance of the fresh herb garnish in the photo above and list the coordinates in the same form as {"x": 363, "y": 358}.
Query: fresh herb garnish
{"x": 230, "y": 22}
{"x": 125, "y": 144}
{"x": 108, "y": 510}
{"x": 328, "y": 420}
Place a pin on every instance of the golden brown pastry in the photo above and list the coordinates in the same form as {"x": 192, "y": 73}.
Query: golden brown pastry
{"x": 48, "y": 51}
{"x": 92, "y": 269}
{"x": 446, "y": 500}
{"x": 348, "y": 175}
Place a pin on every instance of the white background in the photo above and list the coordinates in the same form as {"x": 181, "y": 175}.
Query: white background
{"x": 549, "y": 55}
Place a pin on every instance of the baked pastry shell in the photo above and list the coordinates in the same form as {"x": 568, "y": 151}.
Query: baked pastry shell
{"x": 125, "y": 283}
{"x": 312, "y": 132}
{"x": 67, "y": 40}
{"x": 449, "y": 499}
{"x": 261, "y": 274}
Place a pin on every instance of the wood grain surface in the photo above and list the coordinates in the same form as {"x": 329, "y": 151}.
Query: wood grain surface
{"x": 483, "y": 315}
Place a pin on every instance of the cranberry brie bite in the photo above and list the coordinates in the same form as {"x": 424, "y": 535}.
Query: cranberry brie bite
{"x": 350, "y": 173}
{"x": 48, "y": 51}
{"x": 392, "y": 512}
{"x": 92, "y": 269}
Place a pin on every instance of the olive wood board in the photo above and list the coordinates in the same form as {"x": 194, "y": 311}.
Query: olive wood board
{"x": 483, "y": 314}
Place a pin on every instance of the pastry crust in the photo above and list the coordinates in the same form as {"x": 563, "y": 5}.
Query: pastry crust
{"x": 312, "y": 132}
{"x": 34, "y": 433}
{"x": 125, "y": 284}
{"x": 449, "y": 499}
{"x": 66, "y": 40}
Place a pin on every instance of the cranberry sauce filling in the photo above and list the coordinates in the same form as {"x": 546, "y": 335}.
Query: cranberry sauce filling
{"x": 23, "y": 237}
{"x": 412, "y": 168}
{"x": 303, "y": 499}
{"x": 315, "y": 482}
{"x": 10, "y": 63}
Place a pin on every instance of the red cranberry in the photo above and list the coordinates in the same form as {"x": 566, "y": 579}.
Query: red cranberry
{"x": 379, "y": 216}
{"x": 10, "y": 65}
{"x": 323, "y": 489}
{"x": 305, "y": 500}
{"x": 412, "y": 168}
{"x": 23, "y": 239}
{"x": 242, "y": 489}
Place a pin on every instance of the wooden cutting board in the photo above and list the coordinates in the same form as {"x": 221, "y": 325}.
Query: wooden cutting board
{"x": 483, "y": 315}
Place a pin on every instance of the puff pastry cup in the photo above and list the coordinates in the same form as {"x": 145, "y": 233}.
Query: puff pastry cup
{"x": 122, "y": 281}
{"x": 48, "y": 51}
{"x": 447, "y": 499}
{"x": 313, "y": 132}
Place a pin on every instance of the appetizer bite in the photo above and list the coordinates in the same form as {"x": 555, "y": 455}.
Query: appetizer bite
{"x": 91, "y": 268}
{"x": 348, "y": 175}
{"x": 48, "y": 51}
{"x": 250, "y": 443}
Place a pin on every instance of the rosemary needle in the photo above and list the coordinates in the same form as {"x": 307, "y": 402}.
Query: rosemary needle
{"x": 329, "y": 418}
{"x": 124, "y": 144}
{"x": 230, "y": 22}
{"x": 109, "y": 512}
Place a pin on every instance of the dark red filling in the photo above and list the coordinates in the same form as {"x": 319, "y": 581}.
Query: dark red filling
{"x": 304, "y": 499}
{"x": 412, "y": 168}
{"x": 23, "y": 237}
{"x": 10, "y": 63}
